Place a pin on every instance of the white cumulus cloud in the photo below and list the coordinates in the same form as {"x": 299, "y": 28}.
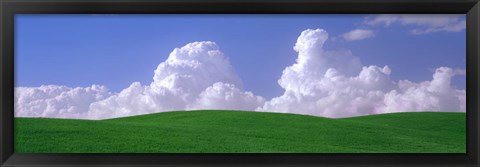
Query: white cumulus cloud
{"x": 421, "y": 23}
{"x": 358, "y": 34}
{"x": 226, "y": 96}
{"x": 434, "y": 95}
{"x": 197, "y": 72}
{"x": 56, "y": 101}
{"x": 334, "y": 84}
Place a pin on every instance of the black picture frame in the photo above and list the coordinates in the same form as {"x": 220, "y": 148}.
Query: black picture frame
{"x": 9, "y": 8}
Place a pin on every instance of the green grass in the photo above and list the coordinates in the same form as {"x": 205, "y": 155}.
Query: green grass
{"x": 245, "y": 132}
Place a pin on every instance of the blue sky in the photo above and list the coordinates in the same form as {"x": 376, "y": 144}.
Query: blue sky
{"x": 116, "y": 50}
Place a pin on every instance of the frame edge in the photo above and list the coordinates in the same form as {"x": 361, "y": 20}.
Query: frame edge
{"x": 473, "y": 116}
{"x": 6, "y": 88}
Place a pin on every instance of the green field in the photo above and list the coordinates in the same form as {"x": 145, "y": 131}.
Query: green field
{"x": 245, "y": 132}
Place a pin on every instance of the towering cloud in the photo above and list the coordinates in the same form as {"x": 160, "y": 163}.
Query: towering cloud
{"x": 194, "y": 67}
{"x": 197, "y": 72}
{"x": 334, "y": 84}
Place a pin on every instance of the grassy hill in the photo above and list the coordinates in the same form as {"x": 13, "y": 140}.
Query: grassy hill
{"x": 245, "y": 132}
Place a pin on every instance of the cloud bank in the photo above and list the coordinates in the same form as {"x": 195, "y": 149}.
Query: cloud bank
{"x": 54, "y": 101}
{"x": 421, "y": 24}
{"x": 329, "y": 83}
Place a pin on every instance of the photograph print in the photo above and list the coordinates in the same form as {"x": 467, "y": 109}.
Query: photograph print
{"x": 227, "y": 83}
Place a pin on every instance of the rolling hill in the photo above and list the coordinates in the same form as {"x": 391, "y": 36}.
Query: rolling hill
{"x": 217, "y": 131}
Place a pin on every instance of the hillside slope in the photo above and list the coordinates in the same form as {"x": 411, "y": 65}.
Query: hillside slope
{"x": 252, "y": 132}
